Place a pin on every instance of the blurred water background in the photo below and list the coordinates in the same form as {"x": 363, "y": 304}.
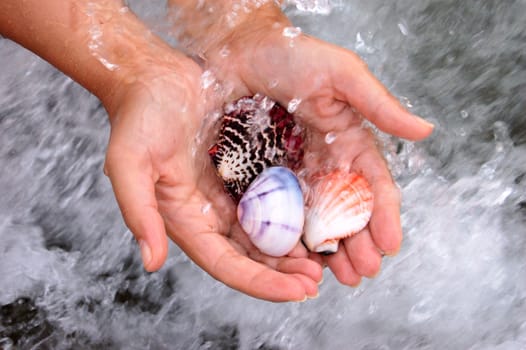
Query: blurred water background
{"x": 71, "y": 276}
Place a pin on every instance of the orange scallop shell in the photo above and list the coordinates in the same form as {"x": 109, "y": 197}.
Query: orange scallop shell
{"x": 339, "y": 204}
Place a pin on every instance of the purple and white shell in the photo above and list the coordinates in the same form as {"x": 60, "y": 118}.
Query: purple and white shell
{"x": 271, "y": 211}
{"x": 255, "y": 133}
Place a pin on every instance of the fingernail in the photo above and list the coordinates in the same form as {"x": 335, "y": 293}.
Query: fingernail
{"x": 315, "y": 296}
{"x": 146, "y": 252}
{"x": 425, "y": 122}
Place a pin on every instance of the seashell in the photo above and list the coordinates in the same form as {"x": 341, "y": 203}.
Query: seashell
{"x": 271, "y": 211}
{"x": 339, "y": 204}
{"x": 255, "y": 133}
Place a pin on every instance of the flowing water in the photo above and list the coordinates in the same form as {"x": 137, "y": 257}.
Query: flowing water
{"x": 71, "y": 276}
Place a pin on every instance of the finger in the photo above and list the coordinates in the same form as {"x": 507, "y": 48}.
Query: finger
{"x": 364, "y": 92}
{"x": 311, "y": 287}
{"x": 384, "y": 226}
{"x": 215, "y": 254}
{"x": 364, "y": 256}
{"x": 133, "y": 185}
{"x": 317, "y": 258}
{"x": 260, "y": 281}
{"x": 299, "y": 251}
{"x": 296, "y": 261}
{"x": 301, "y": 266}
{"x": 342, "y": 268}
{"x": 307, "y": 271}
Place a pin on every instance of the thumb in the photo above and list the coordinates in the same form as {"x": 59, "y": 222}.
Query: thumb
{"x": 131, "y": 176}
{"x": 363, "y": 91}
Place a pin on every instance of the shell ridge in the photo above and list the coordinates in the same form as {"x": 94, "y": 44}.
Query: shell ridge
{"x": 341, "y": 207}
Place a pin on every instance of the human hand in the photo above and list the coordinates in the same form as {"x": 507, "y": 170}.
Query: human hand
{"x": 166, "y": 187}
{"x": 334, "y": 90}
{"x": 152, "y": 95}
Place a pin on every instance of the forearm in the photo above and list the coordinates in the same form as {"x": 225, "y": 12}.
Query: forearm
{"x": 96, "y": 43}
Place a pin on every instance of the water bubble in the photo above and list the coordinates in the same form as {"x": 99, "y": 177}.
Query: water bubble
{"x": 464, "y": 114}
{"x": 206, "y": 208}
{"x": 330, "y": 137}
{"x": 293, "y": 105}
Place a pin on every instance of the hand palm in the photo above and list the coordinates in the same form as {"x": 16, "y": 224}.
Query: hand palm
{"x": 334, "y": 88}
{"x": 165, "y": 185}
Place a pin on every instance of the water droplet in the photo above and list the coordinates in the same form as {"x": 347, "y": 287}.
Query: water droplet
{"x": 422, "y": 311}
{"x": 361, "y": 44}
{"x": 266, "y": 104}
{"x": 406, "y": 102}
{"x": 207, "y": 79}
{"x": 330, "y": 137}
{"x": 273, "y": 83}
{"x": 206, "y": 208}
{"x": 293, "y": 105}
{"x": 109, "y": 66}
{"x": 225, "y": 51}
{"x": 403, "y": 29}
{"x": 291, "y": 32}
{"x": 373, "y": 307}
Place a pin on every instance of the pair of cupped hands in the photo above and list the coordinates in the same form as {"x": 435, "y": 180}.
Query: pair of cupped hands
{"x": 166, "y": 186}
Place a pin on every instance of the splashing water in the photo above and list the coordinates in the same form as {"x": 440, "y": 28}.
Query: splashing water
{"x": 291, "y": 33}
{"x": 323, "y": 7}
{"x": 96, "y": 43}
{"x": 207, "y": 79}
{"x": 72, "y": 275}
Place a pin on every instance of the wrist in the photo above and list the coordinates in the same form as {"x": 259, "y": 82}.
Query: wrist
{"x": 129, "y": 54}
{"x": 210, "y": 30}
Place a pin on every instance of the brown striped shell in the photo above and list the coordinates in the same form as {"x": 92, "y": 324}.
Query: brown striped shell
{"x": 255, "y": 133}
